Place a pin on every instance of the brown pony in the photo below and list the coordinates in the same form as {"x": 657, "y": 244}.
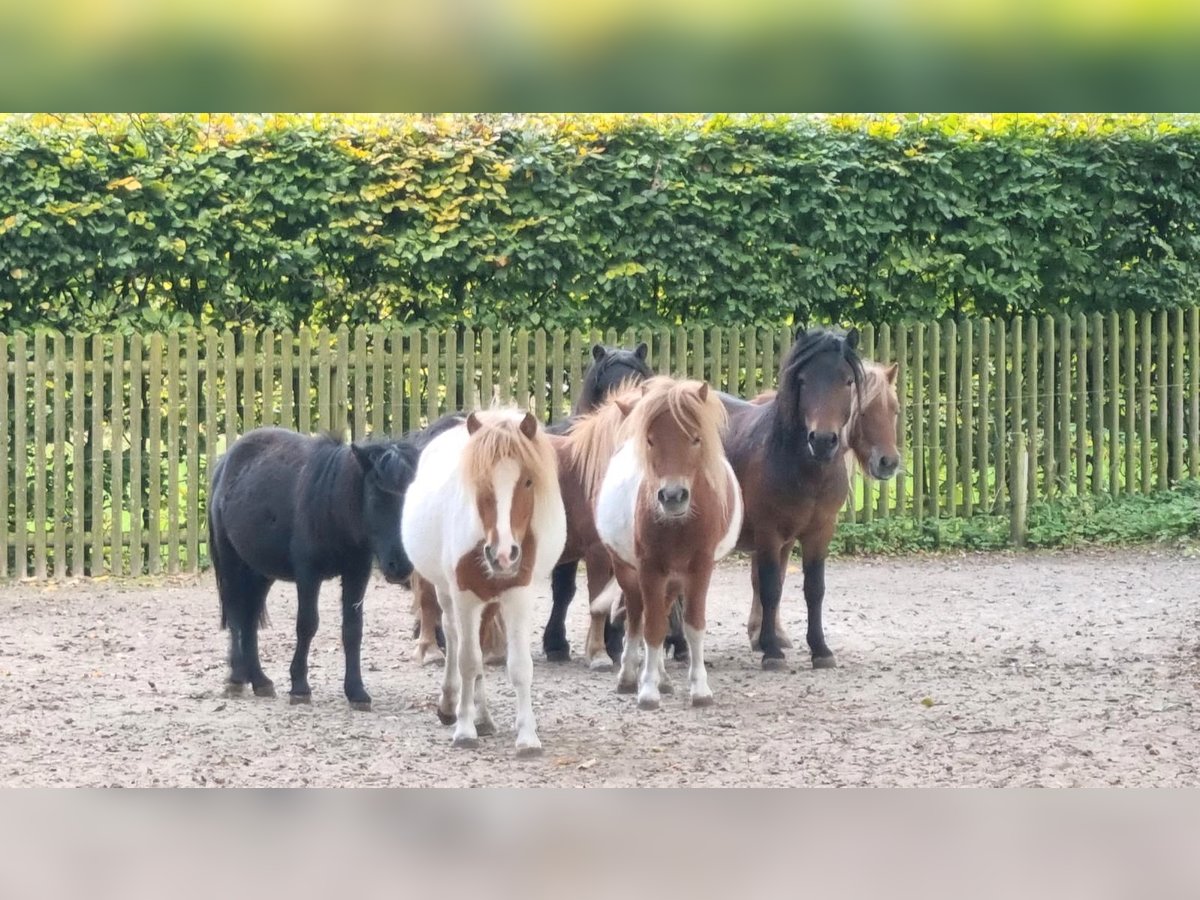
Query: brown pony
{"x": 872, "y": 444}
{"x": 787, "y": 453}
{"x": 667, "y": 509}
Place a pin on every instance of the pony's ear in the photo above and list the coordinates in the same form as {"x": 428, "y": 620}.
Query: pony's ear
{"x": 363, "y": 455}
{"x": 473, "y": 423}
{"x": 800, "y": 331}
{"x": 702, "y": 393}
{"x": 852, "y": 338}
{"x": 625, "y": 406}
{"x": 641, "y": 350}
{"x": 891, "y": 372}
{"x": 396, "y": 468}
{"x": 598, "y": 352}
{"x": 529, "y": 425}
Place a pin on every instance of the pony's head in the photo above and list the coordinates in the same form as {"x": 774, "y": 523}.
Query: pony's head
{"x": 388, "y": 468}
{"x": 611, "y": 367}
{"x": 509, "y": 468}
{"x": 873, "y": 425}
{"x": 818, "y": 381}
{"x": 676, "y": 430}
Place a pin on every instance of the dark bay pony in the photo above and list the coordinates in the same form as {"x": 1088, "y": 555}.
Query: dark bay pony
{"x": 610, "y": 367}
{"x": 788, "y": 456}
{"x": 289, "y": 507}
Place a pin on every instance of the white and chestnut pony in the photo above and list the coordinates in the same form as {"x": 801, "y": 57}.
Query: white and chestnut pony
{"x": 668, "y": 508}
{"x": 484, "y": 522}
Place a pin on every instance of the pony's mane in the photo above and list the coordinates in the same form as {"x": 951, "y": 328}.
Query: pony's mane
{"x": 324, "y": 468}
{"x": 807, "y": 348}
{"x": 499, "y": 439}
{"x": 875, "y": 388}
{"x": 705, "y": 419}
{"x": 595, "y": 436}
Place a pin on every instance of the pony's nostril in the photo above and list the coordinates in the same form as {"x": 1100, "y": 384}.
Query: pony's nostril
{"x": 683, "y": 495}
{"x": 514, "y": 553}
{"x": 662, "y": 496}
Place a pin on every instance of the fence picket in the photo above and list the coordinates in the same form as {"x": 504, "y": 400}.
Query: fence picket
{"x": 61, "y": 516}
{"x": 39, "y": 467}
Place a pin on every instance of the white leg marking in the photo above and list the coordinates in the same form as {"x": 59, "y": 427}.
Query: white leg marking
{"x": 698, "y": 687}
{"x": 447, "y": 708}
{"x": 648, "y": 696}
{"x": 519, "y": 619}
{"x": 627, "y": 677}
{"x": 470, "y": 667}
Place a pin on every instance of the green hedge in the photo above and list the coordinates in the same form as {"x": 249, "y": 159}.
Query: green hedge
{"x": 153, "y": 222}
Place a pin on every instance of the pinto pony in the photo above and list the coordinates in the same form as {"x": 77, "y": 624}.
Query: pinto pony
{"x": 285, "y": 506}
{"x": 484, "y": 520}
{"x": 668, "y": 508}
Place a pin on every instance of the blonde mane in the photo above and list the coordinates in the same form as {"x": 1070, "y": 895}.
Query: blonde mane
{"x": 705, "y": 419}
{"x": 594, "y": 439}
{"x": 499, "y": 439}
{"x": 875, "y": 389}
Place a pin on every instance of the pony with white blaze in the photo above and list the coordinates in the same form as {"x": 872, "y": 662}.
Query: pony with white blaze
{"x": 668, "y": 508}
{"x": 483, "y": 522}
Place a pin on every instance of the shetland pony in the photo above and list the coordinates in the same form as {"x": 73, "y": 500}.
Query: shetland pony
{"x": 285, "y": 506}
{"x": 787, "y": 453}
{"x": 667, "y": 509}
{"x": 871, "y": 444}
{"x": 484, "y": 520}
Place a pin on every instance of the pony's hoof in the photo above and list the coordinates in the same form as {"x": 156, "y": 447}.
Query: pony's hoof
{"x": 626, "y": 687}
{"x": 559, "y": 656}
{"x": 361, "y": 705}
{"x": 824, "y": 662}
{"x": 465, "y": 743}
{"x": 447, "y": 718}
{"x": 234, "y": 688}
{"x": 267, "y": 689}
{"x": 666, "y": 687}
{"x": 485, "y": 728}
{"x": 784, "y": 641}
{"x": 531, "y": 751}
{"x": 648, "y": 703}
{"x": 495, "y": 660}
{"x": 600, "y": 664}
{"x": 699, "y": 700}
{"x": 774, "y": 663}
{"x": 424, "y": 656}
{"x": 299, "y": 699}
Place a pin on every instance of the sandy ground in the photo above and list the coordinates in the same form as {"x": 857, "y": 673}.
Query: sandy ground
{"x": 1053, "y": 669}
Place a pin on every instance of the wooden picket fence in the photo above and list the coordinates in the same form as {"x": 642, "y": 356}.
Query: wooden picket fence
{"x": 107, "y": 439}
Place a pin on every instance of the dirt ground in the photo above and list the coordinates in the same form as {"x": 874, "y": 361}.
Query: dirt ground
{"x": 1050, "y": 669}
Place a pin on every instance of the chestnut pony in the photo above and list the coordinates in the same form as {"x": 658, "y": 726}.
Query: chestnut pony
{"x": 787, "y": 453}
{"x": 482, "y": 523}
{"x": 872, "y": 444}
{"x": 668, "y": 508}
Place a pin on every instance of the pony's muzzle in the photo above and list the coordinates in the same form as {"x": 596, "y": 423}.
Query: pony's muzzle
{"x": 883, "y": 466}
{"x": 503, "y": 562}
{"x": 674, "y": 501}
{"x": 396, "y": 569}
{"x": 823, "y": 445}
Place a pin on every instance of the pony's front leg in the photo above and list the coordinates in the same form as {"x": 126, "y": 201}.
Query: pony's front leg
{"x": 469, "y": 613}
{"x": 766, "y": 565}
{"x": 655, "y": 611}
{"x": 518, "y": 612}
{"x": 815, "y": 550}
{"x": 308, "y": 588}
{"x": 754, "y": 625}
{"x": 451, "y": 685}
{"x": 695, "y": 605}
{"x": 354, "y": 588}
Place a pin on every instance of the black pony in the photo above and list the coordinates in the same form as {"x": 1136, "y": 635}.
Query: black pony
{"x": 609, "y": 368}
{"x": 285, "y": 506}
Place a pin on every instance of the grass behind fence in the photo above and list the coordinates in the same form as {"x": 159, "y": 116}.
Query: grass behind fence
{"x": 1108, "y": 405}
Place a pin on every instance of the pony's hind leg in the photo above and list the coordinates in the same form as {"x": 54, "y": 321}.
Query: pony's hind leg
{"x": 627, "y": 677}
{"x": 518, "y": 609}
{"x": 562, "y": 589}
{"x": 307, "y": 619}
{"x": 491, "y": 636}
{"x": 428, "y": 621}
{"x": 469, "y": 613}
{"x": 604, "y": 635}
{"x": 354, "y": 588}
{"x": 693, "y": 628}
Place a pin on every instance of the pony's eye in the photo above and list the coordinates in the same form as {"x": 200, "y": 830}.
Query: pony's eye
{"x": 849, "y": 382}
{"x": 528, "y": 482}
{"x": 649, "y": 443}
{"x": 695, "y": 442}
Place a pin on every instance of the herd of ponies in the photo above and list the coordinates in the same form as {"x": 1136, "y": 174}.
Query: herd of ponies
{"x": 648, "y": 483}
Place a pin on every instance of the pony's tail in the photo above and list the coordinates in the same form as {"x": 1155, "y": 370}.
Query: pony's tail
{"x": 609, "y": 601}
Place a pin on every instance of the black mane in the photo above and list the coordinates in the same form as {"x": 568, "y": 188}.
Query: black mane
{"x": 320, "y": 490}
